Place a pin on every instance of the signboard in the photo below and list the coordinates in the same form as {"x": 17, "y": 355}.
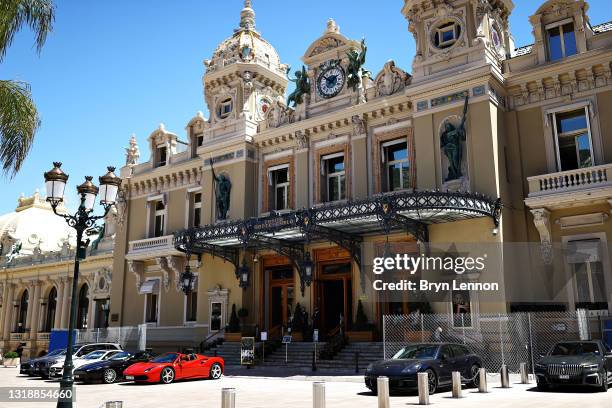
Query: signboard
{"x": 247, "y": 351}
{"x": 264, "y": 336}
{"x": 286, "y": 339}
{"x": 315, "y": 335}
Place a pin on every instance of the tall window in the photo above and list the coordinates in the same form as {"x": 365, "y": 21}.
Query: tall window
{"x": 195, "y": 218}
{"x": 51, "y": 308}
{"x": 561, "y": 41}
{"x": 396, "y": 170}
{"x": 159, "y": 219}
{"x": 83, "y": 310}
{"x": 584, "y": 257}
{"x": 278, "y": 182}
{"x": 23, "y": 312}
{"x": 191, "y": 306}
{"x": 151, "y": 308}
{"x": 333, "y": 177}
{"x": 573, "y": 139}
{"x": 161, "y": 156}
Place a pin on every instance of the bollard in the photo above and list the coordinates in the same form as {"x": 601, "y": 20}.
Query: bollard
{"x": 505, "y": 380}
{"x": 113, "y": 404}
{"x": 482, "y": 380}
{"x": 382, "y": 387}
{"x": 423, "y": 387}
{"x": 524, "y": 374}
{"x": 228, "y": 398}
{"x": 456, "y": 384}
{"x": 318, "y": 394}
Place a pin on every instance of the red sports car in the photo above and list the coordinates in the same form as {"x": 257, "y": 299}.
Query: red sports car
{"x": 170, "y": 367}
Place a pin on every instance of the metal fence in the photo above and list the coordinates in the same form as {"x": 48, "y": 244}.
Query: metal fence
{"x": 510, "y": 338}
{"x": 129, "y": 337}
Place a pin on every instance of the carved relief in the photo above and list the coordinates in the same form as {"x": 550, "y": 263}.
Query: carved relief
{"x": 541, "y": 220}
{"x": 137, "y": 268}
{"x": 391, "y": 80}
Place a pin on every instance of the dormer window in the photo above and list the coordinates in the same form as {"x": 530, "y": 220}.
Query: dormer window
{"x": 446, "y": 34}
{"x": 561, "y": 40}
{"x": 161, "y": 156}
{"x": 224, "y": 109}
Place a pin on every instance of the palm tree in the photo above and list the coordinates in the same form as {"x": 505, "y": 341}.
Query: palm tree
{"x": 18, "y": 115}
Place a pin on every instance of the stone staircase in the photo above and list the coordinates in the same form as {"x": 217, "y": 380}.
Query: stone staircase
{"x": 230, "y": 351}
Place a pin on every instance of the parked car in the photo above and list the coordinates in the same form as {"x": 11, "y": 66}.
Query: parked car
{"x": 57, "y": 370}
{"x": 27, "y": 367}
{"x": 438, "y": 360}
{"x": 111, "y": 370}
{"x": 42, "y": 368}
{"x": 170, "y": 367}
{"x": 587, "y": 363}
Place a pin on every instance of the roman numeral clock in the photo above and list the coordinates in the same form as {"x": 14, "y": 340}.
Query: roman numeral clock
{"x": 331, "y": 79}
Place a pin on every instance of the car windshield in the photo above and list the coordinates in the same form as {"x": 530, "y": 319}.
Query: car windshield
{"x": 165, "y": 358}
{"x": 94, "y": 355}
{"x": 418, "y": 351}
{"x": 124, "y": 355}
{"x": 575, "y": 349}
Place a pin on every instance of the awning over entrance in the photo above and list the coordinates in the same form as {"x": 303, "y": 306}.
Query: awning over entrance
{"x": 343, "y": 223}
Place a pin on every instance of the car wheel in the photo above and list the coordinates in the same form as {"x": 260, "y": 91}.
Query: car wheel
{"x": 109, "y": 376}
{"x": 542, "y": 386}
{"x": 167, "y": 375}
{"x": 604, "y": 381}
{"x": 216, "y": 371}
{"x": 475, "y": 376}
{"x": 432, "y": 381}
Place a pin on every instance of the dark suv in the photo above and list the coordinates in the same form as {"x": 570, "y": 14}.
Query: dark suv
{"x": 586, "y": 363}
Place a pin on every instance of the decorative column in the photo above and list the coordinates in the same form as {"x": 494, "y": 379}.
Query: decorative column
{"x": 7, "y": 313}
{"x": 57, "y": 323}
{"x": 33, "y": 311}
{"x": 65, "y": 303}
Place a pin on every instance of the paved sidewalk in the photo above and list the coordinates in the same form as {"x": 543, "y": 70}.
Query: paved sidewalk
{"x": 296, "y": 392}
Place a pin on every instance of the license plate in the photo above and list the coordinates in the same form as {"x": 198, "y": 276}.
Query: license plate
{"x": 129, "y": 377}
{"x": 564, "y": 377}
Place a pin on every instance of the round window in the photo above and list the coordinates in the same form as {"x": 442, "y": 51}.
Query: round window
{"x": 446, "y": 34}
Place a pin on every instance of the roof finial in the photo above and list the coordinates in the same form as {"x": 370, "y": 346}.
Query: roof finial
{"x": 247, "y": 17}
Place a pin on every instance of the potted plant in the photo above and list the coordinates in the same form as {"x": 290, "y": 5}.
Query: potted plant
{"x": 232, "y": 331}
{"x": 11, "y": 359}
{"x": 361, "y": 329}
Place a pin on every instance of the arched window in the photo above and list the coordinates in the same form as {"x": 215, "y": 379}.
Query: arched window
{"x": 51, "y": 308}
{"x": 23, "y": 312}
{"x": 83, "y": 307}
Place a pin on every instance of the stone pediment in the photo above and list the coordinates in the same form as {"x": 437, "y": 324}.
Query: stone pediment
{"x": 331, "y": 42}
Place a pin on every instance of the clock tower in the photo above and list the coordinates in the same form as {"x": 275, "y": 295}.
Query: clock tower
{"x": 328, "y": 62}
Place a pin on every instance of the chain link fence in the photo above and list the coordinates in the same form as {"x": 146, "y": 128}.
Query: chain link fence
{"x": 504, "y": 338}
{"x": 129, "y": 337}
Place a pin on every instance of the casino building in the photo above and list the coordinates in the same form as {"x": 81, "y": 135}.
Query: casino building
{"x": 265, "y": 205}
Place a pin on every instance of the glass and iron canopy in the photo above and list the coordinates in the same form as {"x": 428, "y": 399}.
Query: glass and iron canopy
{"x": 344, "y": 224}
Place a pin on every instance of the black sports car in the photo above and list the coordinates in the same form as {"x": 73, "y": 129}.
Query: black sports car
{"x": 586, "y": 363}
{"x": 27, "y": 367}
{"x": 110, "y": 370}
{"x": 40, "y": 367}
{"x": 438, "y": 360}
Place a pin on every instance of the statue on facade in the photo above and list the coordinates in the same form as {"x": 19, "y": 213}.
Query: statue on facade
{"x": 451, "y": 141}
{"x": 302, "y": 87}
{"x": 355, "y": 70}
{"x": 222, "y": 192}
{"x": 14, "y": 251}
{"x": 132, "y": 153}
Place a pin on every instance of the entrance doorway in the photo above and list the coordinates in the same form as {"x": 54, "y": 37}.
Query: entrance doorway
{"x": 334, "y": 296}
{"x": 281, "y": 299}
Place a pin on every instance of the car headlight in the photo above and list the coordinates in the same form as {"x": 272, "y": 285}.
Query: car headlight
{"x": 590, "y": 366}
{"x": 411, "y": 369}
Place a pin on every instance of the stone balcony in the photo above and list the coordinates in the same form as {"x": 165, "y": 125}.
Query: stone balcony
{"x": 151, "y": 248}
{"x": 43, "y": 336}
{"x": 569, "y": 188}
{"x": 17, "y": 336}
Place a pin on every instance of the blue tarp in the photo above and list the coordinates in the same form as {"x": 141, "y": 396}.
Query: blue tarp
{"x": 59, "y": 339}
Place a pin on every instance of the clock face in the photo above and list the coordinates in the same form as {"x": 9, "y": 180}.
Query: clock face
{"x": 330, "y": 81}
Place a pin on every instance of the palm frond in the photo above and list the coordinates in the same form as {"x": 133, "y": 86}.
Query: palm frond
{"x": 37, "y": 14}
{"x": 18, "y": 123}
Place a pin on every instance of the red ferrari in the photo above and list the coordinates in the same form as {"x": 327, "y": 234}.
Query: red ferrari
{"x": 170, "y": 367}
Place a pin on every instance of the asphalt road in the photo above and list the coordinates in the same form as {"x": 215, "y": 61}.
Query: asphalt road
{"x": 296, "y": 392}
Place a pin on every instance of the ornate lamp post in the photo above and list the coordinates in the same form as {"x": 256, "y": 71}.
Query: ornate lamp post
{"x": 307, "y": 267}
{"x": 81, "y": 221}
{"x": 187, "y": 279}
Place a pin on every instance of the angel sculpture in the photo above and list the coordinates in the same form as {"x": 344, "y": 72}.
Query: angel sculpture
{"x": 356, "y": 72}
{"x": 302, "y": 87}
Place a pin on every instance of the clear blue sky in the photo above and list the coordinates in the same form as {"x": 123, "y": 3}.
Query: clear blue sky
{"x": 115, "y": 67}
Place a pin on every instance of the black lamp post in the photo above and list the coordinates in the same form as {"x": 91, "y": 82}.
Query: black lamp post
{"x": 106, "y": 310}
{"x": 187, "y": 279}
{"x": 307, "y": 267}
{"x": 81, "y": 221}
{"x": 243, "y": 274}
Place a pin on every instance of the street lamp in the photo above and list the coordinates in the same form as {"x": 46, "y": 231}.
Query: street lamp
{"x": 106, "y": 310}
{"x": 307, "y": 266}
{"x": 243, "y": 274}
{"x": 82, "y": 221}
{"x": 187, "y": 279}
